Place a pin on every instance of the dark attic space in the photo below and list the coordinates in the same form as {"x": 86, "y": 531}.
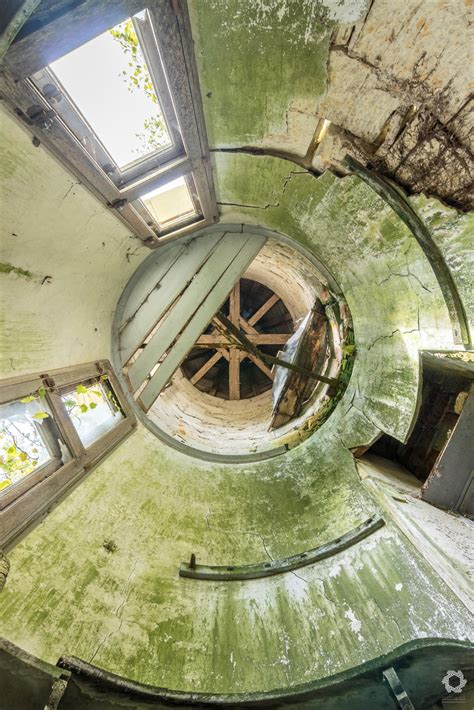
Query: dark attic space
{"x": 236, "y": 387}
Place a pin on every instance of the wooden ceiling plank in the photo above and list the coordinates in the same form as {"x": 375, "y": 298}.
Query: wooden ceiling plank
{"x": 261, "y": 365}
{"x": 197, "y": 290}
{"x": 177, "y": 280}
{"x": 245, "y": 325}
{"x": 159, "y": 266}
{"x": 204, "y": 314}
{"x": 270, "y": 338}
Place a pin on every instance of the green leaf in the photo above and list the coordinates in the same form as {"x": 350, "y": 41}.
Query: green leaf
{"x": 41, "y": 415}
{"x": 70, "y": 402}
{"x": 11, "y": 449}
{"x": 27, "y": 400}
{"x": 42, "y": 392}
{"x": 84, "y": 408}
{"x": 80, "y": 389}
{"x": 97, "y": 393}
{"x": 92, "y": 405}
{"x": 23, "y": 456}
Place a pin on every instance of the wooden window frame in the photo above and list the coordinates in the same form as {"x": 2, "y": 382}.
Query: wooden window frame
{"x": 31, "y": 498}
{"x": 35, "y": 47}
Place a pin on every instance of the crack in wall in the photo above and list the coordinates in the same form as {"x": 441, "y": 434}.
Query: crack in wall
{"x": 118, "y": 612}
{"x": 386, "y": 337}
{"x": 407, "y": 275}
{"x": 286, "y": 181}
{"x": 73, "y": 184}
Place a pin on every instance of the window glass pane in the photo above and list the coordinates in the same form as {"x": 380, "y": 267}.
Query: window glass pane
{"x": 93, "y": 409}
{"x": 23, "y": 439}
{"x": 169, "y": 202}
{"x": 110, "y": 83}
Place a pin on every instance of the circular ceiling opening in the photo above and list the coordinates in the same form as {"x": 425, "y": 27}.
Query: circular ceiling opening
{"x": 195, "y": 332}
{"x": 219, "y": 366}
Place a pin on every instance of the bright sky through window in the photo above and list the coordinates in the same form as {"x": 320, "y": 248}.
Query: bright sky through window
{"x": 169, "y": 201}
{"x": 92, "y": 411}
{"x": 22, "y": 448}
{"x": 101, "y": 78}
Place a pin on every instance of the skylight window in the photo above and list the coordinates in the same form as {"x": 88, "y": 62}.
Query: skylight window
{"x": 170, "y": 202}
{"x": 109, "y": 82}
{"x": 122, "y": 111}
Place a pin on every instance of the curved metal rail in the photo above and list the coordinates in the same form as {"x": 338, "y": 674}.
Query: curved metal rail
{"x": 266, "y": 569}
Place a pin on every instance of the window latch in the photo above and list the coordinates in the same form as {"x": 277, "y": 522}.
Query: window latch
{"x": 118, "y": 204}
{"x": 48, "y": 382}
{"x": 52, "y": 93}
{"x": 40, "y": 117}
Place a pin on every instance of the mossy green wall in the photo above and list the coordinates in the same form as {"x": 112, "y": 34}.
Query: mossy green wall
{"x": 127, "y": 610}
{"x": 396, "y": 303}
{"x": 66, "y": 260}
{"x": 253, "y": 46}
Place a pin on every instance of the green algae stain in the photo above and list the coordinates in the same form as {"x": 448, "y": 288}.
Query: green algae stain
{"x": 245, "y": 100}
{"x": 6, "y": 268}
{"x": 22, "y": 342}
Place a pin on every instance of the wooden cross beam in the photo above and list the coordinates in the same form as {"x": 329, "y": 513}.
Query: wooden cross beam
{"x": 227, "y": 346}
{"x": 221, "y": 340}
{"x": 234, "y": 358}
{"x": 247, "y": 345}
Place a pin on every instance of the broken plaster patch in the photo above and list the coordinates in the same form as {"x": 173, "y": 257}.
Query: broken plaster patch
{"x": 343, "y": 11}
{"x": 354, "y": 623}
